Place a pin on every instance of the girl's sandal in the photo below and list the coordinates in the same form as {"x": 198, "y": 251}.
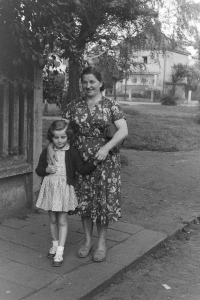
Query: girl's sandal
{"x": 84, "y": 251}
{"x": 99, "y": 255}
{"x": 58, "y": 260}
{"x": 52, "y": 252}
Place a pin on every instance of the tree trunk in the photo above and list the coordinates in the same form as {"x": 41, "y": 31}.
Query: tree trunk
{"x": 125, "y": 88}
{"x": 114, "y": 88}
{"x": 173, "y": 90}
{"x": 73, "y": 91}
{"x": 186, "y": 91}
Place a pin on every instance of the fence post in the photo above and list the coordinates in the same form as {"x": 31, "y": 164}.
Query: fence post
{"x": 152, "y": 95}
{"x": 129, "y": 95}
{"x": 37, "y": 130}
{"x": 189, "y": 96}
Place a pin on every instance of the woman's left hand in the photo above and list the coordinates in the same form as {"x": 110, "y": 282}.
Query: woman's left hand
{"x": 102, "y": 153}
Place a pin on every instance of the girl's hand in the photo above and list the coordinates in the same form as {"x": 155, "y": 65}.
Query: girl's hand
{"x": 51, "y": 169}
{"x": 51, "y": 154}
{"x": 102, "y": 153}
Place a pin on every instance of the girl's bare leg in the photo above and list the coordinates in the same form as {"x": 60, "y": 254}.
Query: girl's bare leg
{"x": 53, "y": 224}
{"x": 62, "y": 235}
{"x": 63, "y": 228}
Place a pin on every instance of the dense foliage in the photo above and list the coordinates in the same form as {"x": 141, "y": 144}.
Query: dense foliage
{"x": 53, "y": 81}
{"x": 168, "y": 100}
{"x": 30, "y": 29}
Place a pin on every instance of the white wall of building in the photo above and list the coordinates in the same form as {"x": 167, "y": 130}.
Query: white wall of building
{"x": 158, "y": 70}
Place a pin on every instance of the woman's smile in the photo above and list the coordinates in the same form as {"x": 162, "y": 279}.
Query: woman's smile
{"x": 91, "y": 85}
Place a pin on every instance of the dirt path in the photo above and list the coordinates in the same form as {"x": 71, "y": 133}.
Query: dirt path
{"x": 160, "y": 190}
{"x": 170, "y": 273}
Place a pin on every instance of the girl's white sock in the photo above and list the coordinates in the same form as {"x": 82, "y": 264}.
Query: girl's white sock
{"x": 59, "y": 254}
{"x": 55, "y": 243}
{"x": 60, "y": 250}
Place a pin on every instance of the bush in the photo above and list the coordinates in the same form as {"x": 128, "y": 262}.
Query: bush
{"x": 168, "y": 100}
{"x": 137, "y": 95}
{"x": 121, "y": 95}
{"x": 53, "y": 88}
{"x": 197, "y": 118}
{"x": 157, "y": 93}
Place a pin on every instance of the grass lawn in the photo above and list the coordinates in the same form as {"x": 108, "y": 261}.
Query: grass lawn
{"x": 158, "y": 128}
{"x": 162, "y": 128}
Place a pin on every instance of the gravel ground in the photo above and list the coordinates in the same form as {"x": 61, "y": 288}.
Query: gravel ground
{"x": 172, "y": 272}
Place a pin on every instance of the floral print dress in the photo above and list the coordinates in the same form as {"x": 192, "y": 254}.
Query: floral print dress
{"x": 98, "y": 194}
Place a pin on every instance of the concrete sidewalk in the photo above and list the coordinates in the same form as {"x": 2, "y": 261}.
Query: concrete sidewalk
{"x": 26, "y": 273}
{"x": 167, "y": 182}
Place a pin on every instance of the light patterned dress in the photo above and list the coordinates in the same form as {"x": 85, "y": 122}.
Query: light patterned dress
{"x": 99, "y": 194}
{"x": 55, "y": 194}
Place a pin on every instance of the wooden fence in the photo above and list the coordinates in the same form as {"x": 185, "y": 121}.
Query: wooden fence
{"x": 20, "y": 137}
{"x": 13, "y": 120}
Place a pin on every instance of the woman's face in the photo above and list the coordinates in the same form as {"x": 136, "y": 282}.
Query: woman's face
{"x": 91, "y": 85}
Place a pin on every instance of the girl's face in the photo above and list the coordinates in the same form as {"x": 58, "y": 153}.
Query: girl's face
{"x": 91, "y": 85}
{"x": 59, "y": 138}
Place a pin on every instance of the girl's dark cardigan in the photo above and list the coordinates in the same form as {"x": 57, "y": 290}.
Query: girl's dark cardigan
{"x": 73, "y": 163}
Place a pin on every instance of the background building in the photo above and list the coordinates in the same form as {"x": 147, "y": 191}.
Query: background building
{"x": 157, "y": 72}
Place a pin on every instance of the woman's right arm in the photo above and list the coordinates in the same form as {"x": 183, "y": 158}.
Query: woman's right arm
{"x": 51, "y": 154}
{"x": 43, "y": 168}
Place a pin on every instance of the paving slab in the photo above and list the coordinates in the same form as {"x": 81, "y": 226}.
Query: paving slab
{"x": 12, "y": 291}
{"x": 3, "y": 261}
{"x": 26, "y": 276}
{"x": 134, "y": 248}
{"x": 24, "y": 244}
{"x": 24, "y": 238}
{"x": 112, "y": 235}
{"x": 126, "y": 227}
{"x": 89, "y": 279}
{"x": 7, "y": 246}
{"x": 17, "y": 223}
{"x": 77, "y": 284}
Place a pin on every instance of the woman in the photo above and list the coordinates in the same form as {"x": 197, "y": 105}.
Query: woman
{"x": 98, "y": 193}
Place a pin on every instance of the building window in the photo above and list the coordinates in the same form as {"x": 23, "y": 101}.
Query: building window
{"x": 134, "y": 80}
{"x": 144, "y": 59}
{"x": 144, "y": 80}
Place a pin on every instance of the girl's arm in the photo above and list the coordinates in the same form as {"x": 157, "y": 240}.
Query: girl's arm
{"x": 42, "y": 164}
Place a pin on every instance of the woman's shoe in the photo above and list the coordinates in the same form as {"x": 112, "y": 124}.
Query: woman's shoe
{"x": 99, "y": 255}
{"x": 58, "y": 260}
{"x": 52, "y": 252}
{"x": 84, "y": 251}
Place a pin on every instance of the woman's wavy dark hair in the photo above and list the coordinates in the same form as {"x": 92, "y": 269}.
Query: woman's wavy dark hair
{"x": 96, "y": 73}
{"x": 56, "y": 126}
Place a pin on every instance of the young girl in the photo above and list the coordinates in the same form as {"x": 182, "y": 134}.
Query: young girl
{"x": 57, "y": 194}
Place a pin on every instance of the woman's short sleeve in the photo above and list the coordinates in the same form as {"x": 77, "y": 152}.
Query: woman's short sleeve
{"x": 117, "y": 112}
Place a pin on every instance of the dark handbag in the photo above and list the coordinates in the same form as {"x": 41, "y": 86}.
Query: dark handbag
{"x": 109, "y": 132}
